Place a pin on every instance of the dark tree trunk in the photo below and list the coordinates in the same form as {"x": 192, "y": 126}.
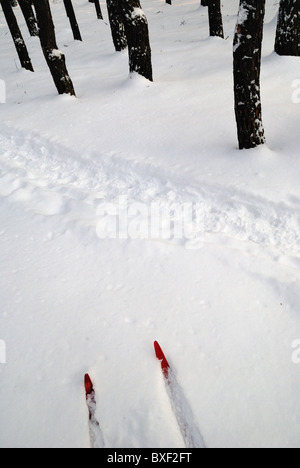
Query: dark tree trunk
{"x": 215, "y": 18}
{"x": 29, "y": 16}
{"x": 288, "y": 28}
{"x": 137, "y": 33}
{"x": 98, "y": 8}
{"x": 16, "y": 35}
{"x": 116, "y": 25}
{"x": 73, "y": 21}
{"x": 54, "y": 57}
{"x": 247, "y": 63}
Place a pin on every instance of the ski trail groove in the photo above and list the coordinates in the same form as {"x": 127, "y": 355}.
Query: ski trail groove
{"x": 50, "y": 179}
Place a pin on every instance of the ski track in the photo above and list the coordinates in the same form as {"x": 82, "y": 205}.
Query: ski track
{"x": 50, "y": 179}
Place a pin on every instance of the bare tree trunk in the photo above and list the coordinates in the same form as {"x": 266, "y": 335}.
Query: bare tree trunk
{"x": 137, "y": 33}
{"x": 247, "y": 63}
{"x": 73, "y": 21}
{"x": 28, "y": 13}
{"x": 288, "y": 28}
{"x": 54, "y": 57}
{"x": 16, "y": 35}
{"x": 116, "y": 25}
{"x": 98, "y": 8}
{"x": 215, "y": 18}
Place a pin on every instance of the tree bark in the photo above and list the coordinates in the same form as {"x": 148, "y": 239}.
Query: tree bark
{"x": 288, "y": 28}
{"x": 16, "y": 35}
{"x": 28, "y": 13}
{"x": 73, "y": 21}
{"x": 247, "y": 63}
{"x": 137, "y": 33}
{"x": 215, "y": 18}
{"x": 98, "y": 8}
{"x": 116, "y": 25}
{"x": 54, "y": 57}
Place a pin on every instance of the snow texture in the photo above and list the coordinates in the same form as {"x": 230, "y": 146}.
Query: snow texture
{"x": 224, "y": 306}
{"x": 138, "y": 13}
{"x": 190, "y": 432}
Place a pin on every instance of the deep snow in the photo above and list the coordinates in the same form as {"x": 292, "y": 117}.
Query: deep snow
{"x": 225, "y": 308}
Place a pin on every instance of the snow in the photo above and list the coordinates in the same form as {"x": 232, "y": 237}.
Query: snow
{"x": 243, "y": 12}
{"x": 224, "y": 305}
{"x": 138, "y": 13}
{"x": 55, "y": 53}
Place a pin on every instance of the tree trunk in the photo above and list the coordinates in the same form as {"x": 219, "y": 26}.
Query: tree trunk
{"x": 29, "y": 16}
{"x": 247, "y": 63}
{"x": 288, "y": 28}
{"x": 116, "y": 25}
{"x": 215, "y": 18}
{"x": 98, "y": 8}
{"x": 73, "y": 21}
{"x": 137, "y": 33}
{"x": 16, "y": 35}
{"x": 54, "y": 57}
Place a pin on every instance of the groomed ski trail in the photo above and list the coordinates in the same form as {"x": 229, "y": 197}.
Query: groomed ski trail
{"x": 182, "y": 411}
{"x": 96, "y": 436}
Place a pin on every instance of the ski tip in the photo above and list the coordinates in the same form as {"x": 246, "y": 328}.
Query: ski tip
{"x": 162, "y": 358}
{"x": 88, "y": 385}
{"x": 158, "y": 351}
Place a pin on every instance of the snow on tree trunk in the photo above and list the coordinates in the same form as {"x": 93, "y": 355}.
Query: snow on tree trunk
{"x": 288, "y": 28}
{"x": 247, "y": 47}
{"x": 54, "y": 57}
{"x": 116, "y": 25}
{"x": 16, "y": 35}
{"x": 137, "y": 33}
{"x": 215, "y": 18}
{"x": 29, "y": 16}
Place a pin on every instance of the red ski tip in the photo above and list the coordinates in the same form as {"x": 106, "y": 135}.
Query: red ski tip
{"x": 88, "y": 385}
{"x": 162, "y": 358}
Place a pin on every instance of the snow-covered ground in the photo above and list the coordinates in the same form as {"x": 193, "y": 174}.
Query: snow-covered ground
{"x": 224, "y": 303}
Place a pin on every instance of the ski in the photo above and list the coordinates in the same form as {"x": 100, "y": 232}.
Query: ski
{"x": 96, "y": 437}
{"x": 162, "y": 358}
{"x": 190, "y": 432}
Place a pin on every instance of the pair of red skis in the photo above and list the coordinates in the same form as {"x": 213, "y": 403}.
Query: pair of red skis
{"x": 190, "y": 433}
